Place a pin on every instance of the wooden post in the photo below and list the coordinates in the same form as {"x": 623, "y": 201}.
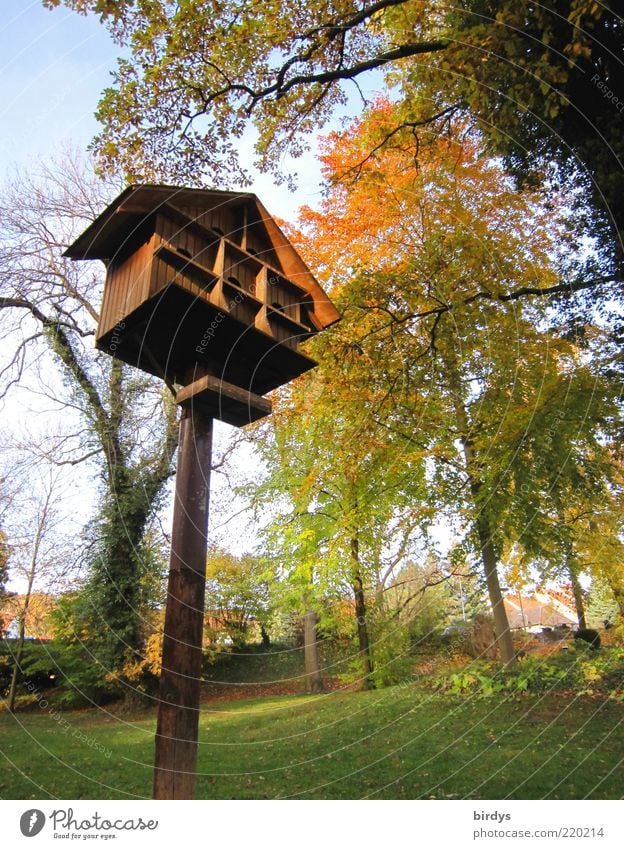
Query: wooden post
{"x": 178, "y": 705}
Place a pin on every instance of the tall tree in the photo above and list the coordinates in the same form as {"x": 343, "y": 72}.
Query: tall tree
{"x": 239, "y": 595}
{"x": 39, "y": 555}
{"x": 585, "y": 538}
{"x": 346, "y": 515}
{"x": 551, "y": 91}
{"x": 113, "y": 418}
{"x": 448, "y": 269}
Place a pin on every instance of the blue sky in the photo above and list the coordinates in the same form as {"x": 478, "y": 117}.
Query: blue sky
{"x": 53, "y": 68}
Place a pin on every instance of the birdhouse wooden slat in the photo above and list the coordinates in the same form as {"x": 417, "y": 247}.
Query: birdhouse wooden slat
{"x": 204, "y": 283}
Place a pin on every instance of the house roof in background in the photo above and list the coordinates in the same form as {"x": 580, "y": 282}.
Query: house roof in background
{"x": 548, "y": 608}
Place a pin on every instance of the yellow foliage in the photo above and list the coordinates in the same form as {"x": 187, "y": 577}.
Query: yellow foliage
{"x": 151, "y": 660}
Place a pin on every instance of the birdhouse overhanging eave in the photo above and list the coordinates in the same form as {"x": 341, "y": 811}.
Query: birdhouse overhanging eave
{"x": 112, "y": 229}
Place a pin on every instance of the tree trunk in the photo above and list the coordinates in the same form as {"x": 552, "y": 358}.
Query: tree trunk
{"x": 17, "y": 668}
{"x": 360, "y": 617}
{"x": 116, "y": 575}
{"x": 264, "y": 634}
{"x": 489, "y": 557}
{"x": 577, "y": 591}
{"x": 490, "y": 565}
{"x": 116, "y": 579}
{"x": 618, "y": 592}
{"x": 313, "y": 679}
{"x": 17, "y": 664}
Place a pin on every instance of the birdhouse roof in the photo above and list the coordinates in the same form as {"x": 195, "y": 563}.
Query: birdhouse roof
{"x": 109, "y": 232}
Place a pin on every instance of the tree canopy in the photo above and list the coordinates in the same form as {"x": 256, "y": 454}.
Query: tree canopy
{"x": 442, "y": 267}
{"x": 544, "y": 83}
{"x": 199, "y": 71}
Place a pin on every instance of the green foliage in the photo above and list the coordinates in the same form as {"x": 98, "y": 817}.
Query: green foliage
{"x": 424, "y": 599}
{"x": 81, "y": 656}
{"x": 407, "y": 616}
{"x": 343, "y": 497}
{"x": 125, "y": 580}
{"x": 196, "y": 73}
{"x": 618, "y": 632}
{"x": 63, "y": 672}
{"x": 542, "y": 95}
{"x": 80, "y": 679}
{"x": 240, "y": 594}
{"x": 280, "y": 665}
{"x": 7, "y": 654}
{"x": 578, "y": 670}
{"x": 601, "y": 604}
{"x": 392, "y": 652}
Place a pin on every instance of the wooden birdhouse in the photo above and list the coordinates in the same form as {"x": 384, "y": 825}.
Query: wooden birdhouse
{"x": 204, "y": 290}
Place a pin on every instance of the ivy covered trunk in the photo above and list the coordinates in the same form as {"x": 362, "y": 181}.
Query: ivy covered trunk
{"x": 120, "y": 569}
{"x": 116, "y": 584}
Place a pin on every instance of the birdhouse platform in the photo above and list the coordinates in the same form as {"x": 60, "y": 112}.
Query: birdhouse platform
{"x": 204, "y": 289}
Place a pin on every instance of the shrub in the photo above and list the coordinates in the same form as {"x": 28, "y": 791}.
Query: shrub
{"x": 81, "y": 680}
{"x": 589, "y": 635}
{"x": 579, "y": 670}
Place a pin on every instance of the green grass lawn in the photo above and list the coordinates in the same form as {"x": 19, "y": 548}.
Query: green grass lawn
{"x": 401, "y": 742}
